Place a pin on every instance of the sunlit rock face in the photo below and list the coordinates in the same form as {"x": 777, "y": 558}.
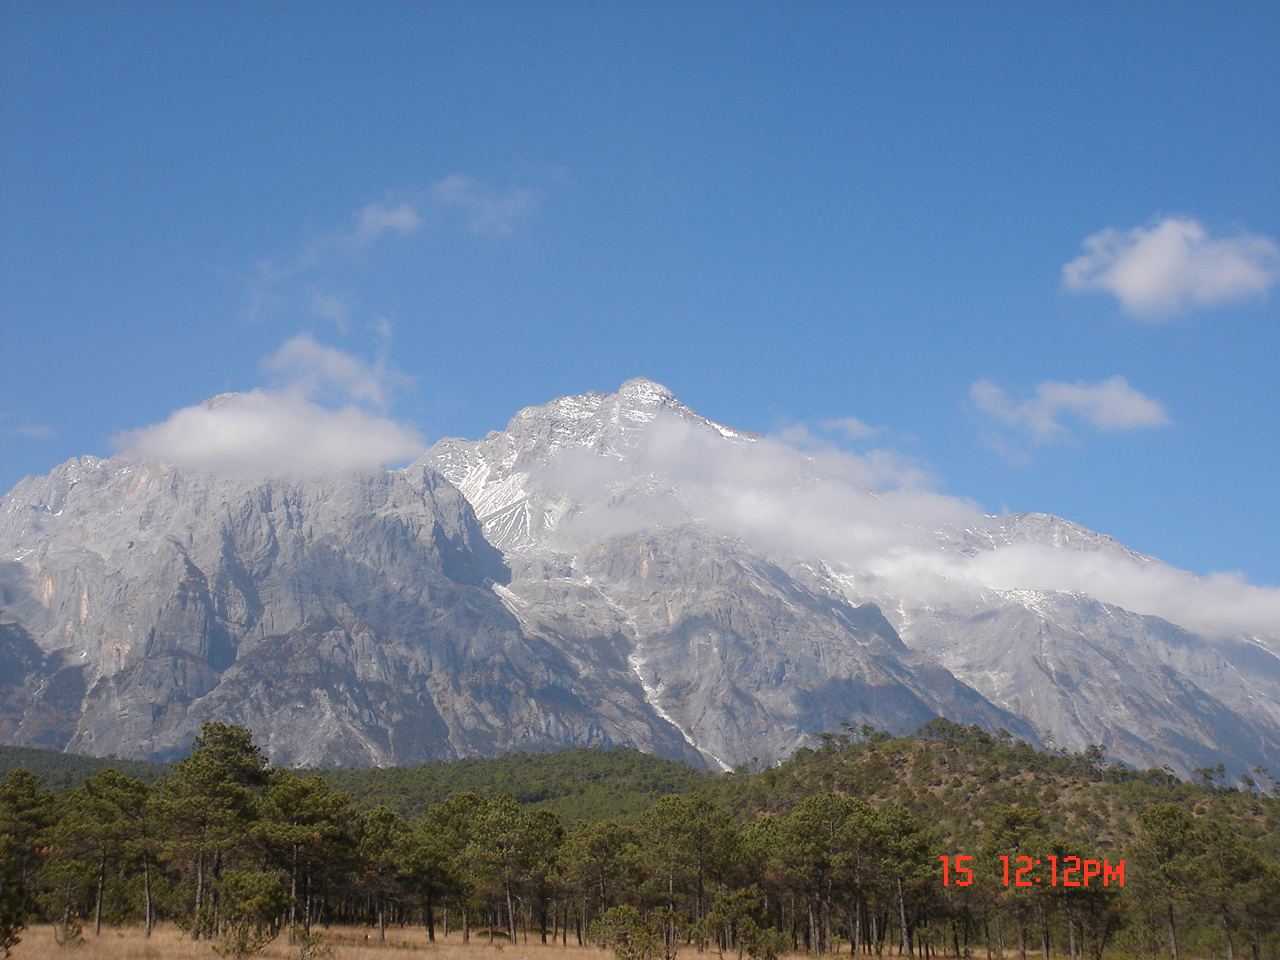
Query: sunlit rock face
{"x": 747, "y": 655}
{"x": 610, "y": 569}
{"x": 349, "y": 620}
{"x": 609, "y": 510}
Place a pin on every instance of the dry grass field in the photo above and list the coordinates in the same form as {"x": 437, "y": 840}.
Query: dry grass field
{"x": 338, "y": 943}
{"x": 342, "y": 943}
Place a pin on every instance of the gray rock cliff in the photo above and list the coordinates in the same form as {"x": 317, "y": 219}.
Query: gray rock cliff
{"x": 611, "y": 568}
{"x": 346, "y": 620}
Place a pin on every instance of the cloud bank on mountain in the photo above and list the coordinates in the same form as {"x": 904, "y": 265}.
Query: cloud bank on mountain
{"x": 274, "y": 435}
{"x": 876, "y": 519}
{"x": 325, "y": 418}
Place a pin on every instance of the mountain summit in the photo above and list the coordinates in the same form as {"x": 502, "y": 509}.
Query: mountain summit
{"x": 609, "y": 569}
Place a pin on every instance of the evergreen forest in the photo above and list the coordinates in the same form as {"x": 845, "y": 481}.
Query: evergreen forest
{"x": 950, "y": 842}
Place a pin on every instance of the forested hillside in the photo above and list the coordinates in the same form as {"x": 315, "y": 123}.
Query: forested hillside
{"x": 950, "y": 776}
{"x": 953, "y": 841}
{"x": 60, "y": 771}
{"x": 575, "y": 784}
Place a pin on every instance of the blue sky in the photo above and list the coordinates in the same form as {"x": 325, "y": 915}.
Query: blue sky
{"x": 1029, "y": 247}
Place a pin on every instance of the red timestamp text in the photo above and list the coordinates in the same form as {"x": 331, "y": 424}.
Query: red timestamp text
{"x": 1029, "y": 872}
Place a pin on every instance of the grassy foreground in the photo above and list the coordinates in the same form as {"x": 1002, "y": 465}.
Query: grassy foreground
{"x": 342, "y": 943}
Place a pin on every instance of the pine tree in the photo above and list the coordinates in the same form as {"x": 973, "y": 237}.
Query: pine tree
{"x": 597, "y": 864}
{"x": 26, "y": 809}
{"x": 1165, "y": 857}
{"x": 102, "y": 830}
{"x": 12, "y": 914}
{"x": 209, "y": 806}
{"x": 305, "y": 829}
{"x": 383, "y": 837}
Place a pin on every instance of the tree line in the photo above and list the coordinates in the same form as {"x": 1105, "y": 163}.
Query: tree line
{"x": 840, "y": 850}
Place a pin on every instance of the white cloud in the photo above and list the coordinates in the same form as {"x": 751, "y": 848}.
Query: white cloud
{"x": 1173, "y": 266}
{"x": 330, "y": 306}
{"x": 269, "y": 434}
{"x": 369, "y": 225}
{"x": 286, "y": 432}
{"x": 1218, "y": 605}
{"x": 276, "y": 282}
{"x": 377, "y": 219}
{"x": 299, "y": 281}
{"x": 1109, "y": 405}
{"x": 851, "y": 428}
{"x": 874, "y": 518}
{"x": 31, "y": 431}
{"x": 488, "y": 213}
{"x": 815, "y": 502}
{"x": 312, "y": 368}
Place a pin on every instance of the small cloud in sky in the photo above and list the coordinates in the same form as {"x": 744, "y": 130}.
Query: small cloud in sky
{"x": 369, "y": 225}
{"x": 289, "y": 431}
{"x": 301, "y": 280}
{"x": 826, "y": 435}
{"x": 488, "y": 212}
{"x": 330, "y": 306}
{"x": 1173, "y": 266}
{"x": 1109, "y": 405}
{"x": 36, "y": 432}
{"x": 30, "y": 431}
{"x": 851, "y": 428}
{"x": 312, "y": 369}
{"x": 377, "y": 219}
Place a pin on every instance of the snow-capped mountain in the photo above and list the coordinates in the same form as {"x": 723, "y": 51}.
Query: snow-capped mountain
{"x": 611, "y": 568}
{"x": 617, "y": 504}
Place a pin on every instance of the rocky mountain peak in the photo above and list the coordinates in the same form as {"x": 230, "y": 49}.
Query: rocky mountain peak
{"x": 572, "y": 493}
{"x": 1040, "y": 529}
{"x": 641, "y": 391}
{"x": 568, "y": 581}
{"x": 592, "y": 419}
{"x": 610, "y": 424}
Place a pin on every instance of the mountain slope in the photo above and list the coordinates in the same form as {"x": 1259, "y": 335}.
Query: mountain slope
{"x": 611, "y": 508}
{"x": 747, "y": 661}
{"x": 610, "y": 569}
{"x": 346, "y": 620}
